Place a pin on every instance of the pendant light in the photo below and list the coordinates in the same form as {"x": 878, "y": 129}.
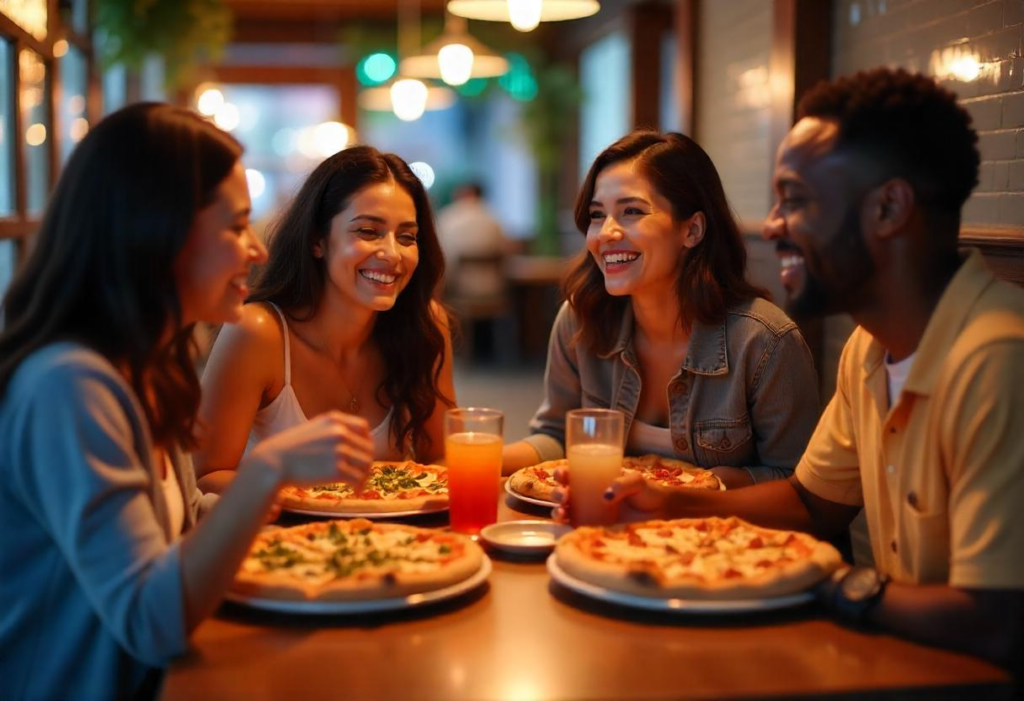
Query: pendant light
{"x": 407, "y": 96}
{"x": 455, "y": 57}
{"x": 524, "y": 15}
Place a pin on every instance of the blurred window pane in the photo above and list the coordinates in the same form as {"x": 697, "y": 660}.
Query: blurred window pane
{"x": 8, "y": 258}
{"x": 115, "y": 88}
{"x": 151, "y": 79}
{"x": 607, "y": 108}
{"x": 36, "y": 131}
{"x": 669, "y": 115}
{"x": 72, "y": 119}
{"x": 80, "y": 15}
{"x": 7, "y": 136}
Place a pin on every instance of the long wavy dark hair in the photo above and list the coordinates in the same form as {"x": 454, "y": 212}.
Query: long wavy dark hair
{"x": 407, "y": 334}
{"x": 711, "y": 275}
{"x": 100, "y": 270}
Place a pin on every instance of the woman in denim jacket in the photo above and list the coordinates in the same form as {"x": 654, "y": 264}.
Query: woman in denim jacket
{"x": 661, "y": 324}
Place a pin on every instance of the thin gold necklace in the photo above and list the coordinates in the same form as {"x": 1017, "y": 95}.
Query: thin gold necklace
{"x": 353, "y": 404}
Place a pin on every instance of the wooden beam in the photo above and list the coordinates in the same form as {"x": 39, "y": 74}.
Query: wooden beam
{"x": 648, "y": 21}
{"x": 686, "y": 62}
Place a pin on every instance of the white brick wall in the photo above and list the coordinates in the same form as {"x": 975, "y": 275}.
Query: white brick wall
{"x": 733, "y": 100}
{"x": 950, "y": 39}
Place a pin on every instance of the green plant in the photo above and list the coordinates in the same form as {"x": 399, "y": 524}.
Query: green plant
{"x": 180, "y": 31}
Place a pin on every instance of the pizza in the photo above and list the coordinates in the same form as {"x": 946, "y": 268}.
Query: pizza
{"x": 538, "y": 481}
{"x": 353, "y": 560}
{"x": 391, "y": 486}
{"x": 696, "y": 558}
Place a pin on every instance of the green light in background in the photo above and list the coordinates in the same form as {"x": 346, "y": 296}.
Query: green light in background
{"x": 375, "y": 69}
{"x": 519, "y": 81}
{"x": 473, "y": 87}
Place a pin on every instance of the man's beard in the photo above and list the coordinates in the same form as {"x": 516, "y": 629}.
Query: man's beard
{"x": 848, "y": 267}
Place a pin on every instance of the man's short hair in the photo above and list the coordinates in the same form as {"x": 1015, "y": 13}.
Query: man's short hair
{"x": 909, "y": 125}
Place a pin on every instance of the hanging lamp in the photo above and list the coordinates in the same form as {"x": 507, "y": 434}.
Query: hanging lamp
{"x": 406, "y": 96}
{"x": 455, "y": 56}
{"x": 524, "y": 15}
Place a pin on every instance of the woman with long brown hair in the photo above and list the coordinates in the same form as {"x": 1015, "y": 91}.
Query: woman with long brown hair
{"x": 661, "y": 324}
{"x": 106, "y": 565}
{"x": 343, "y": 317}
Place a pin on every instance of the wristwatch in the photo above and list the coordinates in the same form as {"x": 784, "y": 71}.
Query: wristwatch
{"x": 858, "y": 590}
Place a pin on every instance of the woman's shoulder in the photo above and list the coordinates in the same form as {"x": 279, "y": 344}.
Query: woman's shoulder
{"x": 61, "y": 365}
{"x": 260, "y": 329}
{"x": 758, "y": 315}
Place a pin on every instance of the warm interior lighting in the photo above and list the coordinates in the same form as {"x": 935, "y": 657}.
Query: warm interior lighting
{"x": 430, "y": 62}
{"x": 79, "y": 128}
{"x": 35, "y": 135}
{"x": 379, "y": 99}
{"x": 227, "y": 117}
{"x": 330, "y": 137}
{"x": 210, "y": 100}
{"x": 60, "y": 48}
{"x": 524, "y": 14}
{"x": 502, "y": 10}
{"x": 456, "y": 63}
{"x": 408, "y": 99}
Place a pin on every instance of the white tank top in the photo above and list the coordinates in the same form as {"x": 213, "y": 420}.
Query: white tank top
{"x": 172, "y": 495}
{"x": 646, "y": 438}
{"x": 284, "y": 412}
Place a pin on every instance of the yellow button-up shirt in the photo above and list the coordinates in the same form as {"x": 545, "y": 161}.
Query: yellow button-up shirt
{"x": 940, "y": 473}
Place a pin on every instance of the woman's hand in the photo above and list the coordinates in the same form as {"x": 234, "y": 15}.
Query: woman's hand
{"x": 333, "y": 447}
{"x": 638, "y": 499}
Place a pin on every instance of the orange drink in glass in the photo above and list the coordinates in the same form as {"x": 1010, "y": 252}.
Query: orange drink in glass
{"x": 473, "y": 442}
{"x": 594, "y": 449}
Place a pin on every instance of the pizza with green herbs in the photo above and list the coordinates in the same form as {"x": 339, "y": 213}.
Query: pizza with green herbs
{"x": 399, "y": 486}
{"x": 354, "y": 560}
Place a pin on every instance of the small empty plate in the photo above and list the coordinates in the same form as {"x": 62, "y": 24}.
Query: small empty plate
{"x": 524, "y": 537}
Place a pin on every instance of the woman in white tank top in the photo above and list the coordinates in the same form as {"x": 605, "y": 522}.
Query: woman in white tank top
{"x": 342, "y": 317}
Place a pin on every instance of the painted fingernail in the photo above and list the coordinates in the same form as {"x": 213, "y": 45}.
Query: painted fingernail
{"x": 609, "y": 494}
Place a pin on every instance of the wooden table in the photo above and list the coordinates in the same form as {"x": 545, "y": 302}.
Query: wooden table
{"x": 521, "y": 636}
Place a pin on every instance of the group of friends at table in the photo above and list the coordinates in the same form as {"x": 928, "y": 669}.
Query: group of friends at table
{"x": 130, "y": 490}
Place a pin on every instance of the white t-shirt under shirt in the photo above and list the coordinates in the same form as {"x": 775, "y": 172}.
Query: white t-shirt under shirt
{"x": 897, "y": 374}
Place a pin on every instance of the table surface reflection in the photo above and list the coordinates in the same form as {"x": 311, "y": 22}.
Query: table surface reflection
{"x": 521, "y": 636}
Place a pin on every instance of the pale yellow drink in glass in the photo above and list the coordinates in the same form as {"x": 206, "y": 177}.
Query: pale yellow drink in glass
{"x": 592, "y": 467}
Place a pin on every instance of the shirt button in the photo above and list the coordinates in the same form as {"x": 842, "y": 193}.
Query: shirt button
{"x": 893, "y": 546}
{"x": 725, "y": 444}
{"x": 682, "y": 445}
{"x": 892, "y": 469}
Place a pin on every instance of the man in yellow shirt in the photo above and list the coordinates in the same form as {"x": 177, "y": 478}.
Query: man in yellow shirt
{"x": 926, "y": 428}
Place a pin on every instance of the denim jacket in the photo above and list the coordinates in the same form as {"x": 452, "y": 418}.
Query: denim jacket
{"x": 746, "y": 395}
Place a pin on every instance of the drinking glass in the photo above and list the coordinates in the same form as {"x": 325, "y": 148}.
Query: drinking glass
{"x": 593, "y": 439}
{"x": 472, "y": 444}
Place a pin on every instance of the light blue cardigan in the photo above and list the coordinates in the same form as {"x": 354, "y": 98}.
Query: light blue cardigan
{"x": 90, "y": 576}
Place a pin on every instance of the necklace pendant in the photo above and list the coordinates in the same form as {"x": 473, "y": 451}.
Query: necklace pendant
{"x": 353, "y": 406}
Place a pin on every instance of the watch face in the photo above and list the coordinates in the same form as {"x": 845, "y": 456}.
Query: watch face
{"x": 860, "y": 583}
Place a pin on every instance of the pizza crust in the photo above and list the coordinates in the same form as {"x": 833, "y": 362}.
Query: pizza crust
{"x": 648, "y": 571}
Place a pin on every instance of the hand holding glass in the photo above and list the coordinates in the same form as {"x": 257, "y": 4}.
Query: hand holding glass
{"x": 594, "y": 447}
{"x": 473, "y": 441}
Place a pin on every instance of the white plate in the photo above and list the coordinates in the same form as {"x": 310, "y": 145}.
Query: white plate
{"x": 683, "y": 606}
{"x": 369, "y": 515}
{"x": 529, "y": 500}
{"x": 524, "y": 537}
{"x": 368, "y": 605}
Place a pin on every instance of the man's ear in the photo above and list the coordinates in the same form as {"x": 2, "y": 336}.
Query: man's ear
{"x": 693, "y": 230}
{"x": 889, "y": 207}
{"x": 318, "y": 249}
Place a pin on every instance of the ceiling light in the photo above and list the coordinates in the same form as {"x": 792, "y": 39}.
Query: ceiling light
{"x": 523, "y": 14}
{"x": 455, "y": 57}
